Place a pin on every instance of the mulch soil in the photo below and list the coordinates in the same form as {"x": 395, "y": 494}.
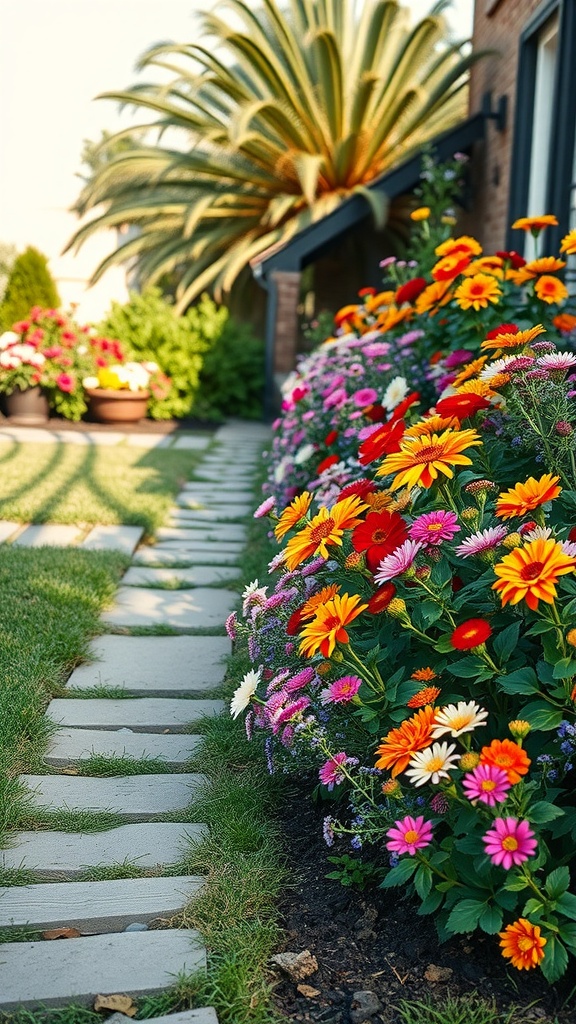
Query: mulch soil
{"x": 145, "y": 426}
{"x": 372, "y": 941}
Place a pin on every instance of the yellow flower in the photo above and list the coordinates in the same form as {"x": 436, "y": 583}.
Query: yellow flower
{"x": 422, "y": 213}
{"x": 328, "y": 626}
{"x": 549, "y": 289}
{"x": 463, "y": 244}
{"x": 525, "y": 497}
{"x": 432, "y": 425}
{"x": 434, "y": 296}
{"x": 523, "y": 944}
{"x": 421, "y": 459}
{"x": 535, "y": 224}
{"x": 544, "y": 265}
{"x": 510, "y": 340}
{"x": 477, "y": 292}
{"x": 470, "y": 370}
{"x": 292, "y": 514}
{"x": 531, "y": 573}
{"x": 325, "y": 528}
{"x": 568, "y": 243}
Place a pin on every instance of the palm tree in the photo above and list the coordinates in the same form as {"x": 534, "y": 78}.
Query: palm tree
{"x": 267, "y": 128}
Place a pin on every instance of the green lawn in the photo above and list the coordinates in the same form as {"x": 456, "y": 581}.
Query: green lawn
{"x": 66, "y": 483}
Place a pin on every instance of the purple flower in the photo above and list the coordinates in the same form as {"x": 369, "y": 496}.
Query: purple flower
{"x": 398, "y": 562}
{"x": 434, "y": 527}
{"x": 268, "y": 505}
{"x": 482, "y": 540}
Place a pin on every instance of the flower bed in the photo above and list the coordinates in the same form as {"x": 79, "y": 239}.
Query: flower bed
{"x": 416, "y": 652}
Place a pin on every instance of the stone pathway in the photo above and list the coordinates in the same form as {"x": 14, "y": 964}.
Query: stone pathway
{"x": 167, "y": 684}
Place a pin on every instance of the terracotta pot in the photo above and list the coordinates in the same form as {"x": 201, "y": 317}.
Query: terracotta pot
{"x": 108, "y": 406}
{"x": 29, "y": 406}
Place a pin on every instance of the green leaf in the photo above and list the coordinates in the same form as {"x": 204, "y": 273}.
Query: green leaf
{"x": 466, "y": 915}
{"x": 516, "y": 883}
{"x": 557, "y": 882}
{"x": 431, "y": 903}
{"x": 400, "y": 874}
{"x": 565, "y": 668}
{"x": 532, "y": 906}
{"x": 423, "y": 881}
{"x": 444, "y": 644}
{"x": 567, "y": 933}
{"x": 470, "y": 844}
{"x": 544, "y": 811}
{"x": 542, "y": 715}
{"x": 567, "y": 905}
{"x": 468, "y": 668}
{"x": 490, "y": 920}
{"x": 506, "y": 642}
{"x": 524, "y": 680}
{"x": 555, "y": 959}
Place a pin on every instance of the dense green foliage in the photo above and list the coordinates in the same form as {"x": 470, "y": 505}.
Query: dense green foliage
{"x": 30, "y": 284}
{"x": 232, "y": 375}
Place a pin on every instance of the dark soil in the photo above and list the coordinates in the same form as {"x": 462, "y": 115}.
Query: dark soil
{"x": 373, "y": 941}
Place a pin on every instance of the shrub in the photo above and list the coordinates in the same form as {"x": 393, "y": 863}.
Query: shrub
{"x": 30, "y": 284}
{"x": 232, "y": 375}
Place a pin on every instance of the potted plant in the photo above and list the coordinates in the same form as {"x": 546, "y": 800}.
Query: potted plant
{"x": 21, "y": 370}
{"x": 119, "y": 393}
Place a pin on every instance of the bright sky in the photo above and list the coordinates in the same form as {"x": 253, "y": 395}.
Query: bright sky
{"x": 55, "y": 57}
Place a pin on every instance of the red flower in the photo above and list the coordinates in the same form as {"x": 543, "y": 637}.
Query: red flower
{"x": 365, "y": 292}
{"x": 456, "y": 584}
{"x": 404, "y": 405}
{"x": 502, "y": 329}
{"x": 381, "y": 599}
{"x": 360, "y": 487}
{"x": 375, "y": 412}
{"x": 100, "y": 361}
{"x": 21, "y": 327}
{"x": 461, "y": 406}
{"x": 330, "y": 438}
{"x": 572, "y": 534}
{"x": 410, "y": 290}
{"x": 330, "y": 460}
{"x": 294, "y": 622}
{"x": 470, "y": 634}
{"x": 383, "y": 441}
{"x": 379, "y": 535}
{"x": 514, "y": 259}
{"x": 66, "y": 382}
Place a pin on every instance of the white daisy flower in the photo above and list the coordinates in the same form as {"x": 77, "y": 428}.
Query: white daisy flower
{"x": 432, "y": 764}
{"x": 395, "y": 392}
{"x": 464, "y": 716}
{"x": 242, "y": 695}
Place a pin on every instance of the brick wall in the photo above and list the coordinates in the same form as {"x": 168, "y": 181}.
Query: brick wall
{"x": 286, "y": 328}
{"x": 497, "y": 26}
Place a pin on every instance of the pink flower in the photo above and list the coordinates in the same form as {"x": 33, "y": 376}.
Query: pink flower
{"x": 398, "y": 562}
{"x": 365, "y": 396}
{"x": 486, "y": 783}
{"x": 300, "y": 680}
{"x": 482, "y": 540}
{"x": 557, "y": 361}
{"x": 265, "y": 507}
{"x": 287, "y": 713}
{"x": 53, "y": 352}
{"x": 66, "y": 382}
{"x": 331, "y": 773}
{"x": 410, "y": 834}
{"x": 510, "y": 842}
{"x": 230, "y": 626}
{"x": 434, "y": 527}
{"x": 336, "y": 399}
{"x": 461, "y": 355}
{"x": 376, "y": 348}
{"x": 341, "y": 690}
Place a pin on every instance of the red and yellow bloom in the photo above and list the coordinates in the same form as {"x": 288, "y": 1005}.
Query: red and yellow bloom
{"x": 530, "y": 573}
{"x": 421, "y": 459}
{"x": 328, "y": 627}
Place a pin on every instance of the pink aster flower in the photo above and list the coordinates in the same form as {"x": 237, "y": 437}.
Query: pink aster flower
{"x": 434, "y": 527}
{"x": 409, "y": 835}
{"x": 557, "y": 361}
{"x": 341, "y": 690}
{"x": 461, "y": 355}
{"x": 66, "y": 382}
{"x": 365, "y": 396}
{"x": 398, "y": 562}
{"x": 230, "y": 626}
{"x": 336, "y": 399}
{"x": 376, "y": 348}
{"x": 486, "y": 783}
{"x": 300, "y": 680}
{"x": 519, "y": 363}
{"x": 331, "y": 773}
{"x": 482, "y": 540}
{"x": 510, "y": 842}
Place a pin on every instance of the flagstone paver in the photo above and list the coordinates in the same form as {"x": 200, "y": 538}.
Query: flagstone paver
{"x": 219, "y": 514}
{"x": 69, "y": 854}
{"x": 198, "y": 553}
{"x": 53, "y": 534}
{"x": 201, "y": 492}
{"x": 7, "y": 529}
{"x": 155, "y": 665}
{"x": 137, "y": 797}
{"x": 193, "y": 441}
{"x": 182, "y": 609}
{"x": 34, "y": 974}
{"x": 203, "y": 530}
{"x": 115, "y": 538}
{"x": 202, "y": 575}
{"x": 71, "y": 746}
{"x": 96, "y": 907}
{"x": 204, "y": 1015}
{"x": 142, "y": 714}
{"x": 149, "y": 441}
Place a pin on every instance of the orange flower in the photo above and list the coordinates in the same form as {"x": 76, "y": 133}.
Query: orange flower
{"x": 535, "y": 224}
{"x": 422, "y": 213}
{"x": 568, "y": 243}
{"x": 434, "y": 296}
{"x": 308, "y": 610}
{"x": 463, "y": 244}
{"x": 391, "y": 317}
{"x": 345, "y": 314}
{"x": 421, "y": 459}
{"x": 511, "y": 340}
{"x": 327, "y": 527}
{"x": 477, "y": 292}
{"x": 381, "y": 299}
{"x": 426, "y": 696}
{"x": 523, "y": 498}
{"x": 450, "y": 267}
{"x": 523, "y": 944}
{"x": 423, "y": 675}
{"x": 565, "y": 321}
{"x": 433, "y": 425}
{"x": 508, "y": 756}
{"x": 476, "y": 387}
{"x": 292, "y": 514}
{"x": 328, "y": 626}
{"x": 543, "y": 265}
{"x": 486, "y": 265}
{"x": 400, "y": 744}
{"x": 531, "y": 573}
{"x": 470, "y": 370}
{"x": 549, "y": 289}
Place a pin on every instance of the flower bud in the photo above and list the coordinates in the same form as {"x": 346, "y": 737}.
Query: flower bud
{"x": 519, "y": 728}
{"x": 563, "y": 428}
{"x": 571, "y": 637}
{"x": 469, "y": 761}
{"x": 513, "y": 540}
{"x": 324, "y": 668}
{"x": 480, "y": 487}
{"x": 355, "y": 560}
{"x": 469, "y": 514}
{"x": 396, "y": 608}
{"x": 392, "y": 788}
{"x": 337, "y": 656}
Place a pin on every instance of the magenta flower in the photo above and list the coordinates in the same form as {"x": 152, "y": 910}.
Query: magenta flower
{"x": 486, "y": 783}
{"x": 365, "y": 396}
{"x": 461, "y": 355}
{"x": 331, "y": 773}
{"x": 230, "y": 626}
{"x": 341, "y": 690}
{"x": 510, "y": 842}
{"x": 434, "y": 527}
{"x": 336, "y": 399}
{"x": 300, "y": 680}
{"x": 483, "y": 540}
{"x": 557, "y": 361}
{"x": 398, "y": 562}
{"x": 66, "y": 382}
{"x": 410, "y": 834}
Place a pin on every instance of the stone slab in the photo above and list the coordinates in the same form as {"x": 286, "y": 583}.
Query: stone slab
{"x": 224, "y": 475}
{"x": 215, "y": 514}
{"x": 113, "y": 538}
{"x": 191, "y": 442}
{"x": 142, "y": 714}
{"x": 188, "y": 514}
{"x": 73, "y": 437}
{"x": 149, "y": 441}
{"x": 155, "y": 665}
{"x": 29, "y": 435}
{"x": 70, "y": 746}
{"x": 105, "y": 439}
{"x": 53, "y": 534}
{"x": 193, "y": 554}
{"x": 38, "y": 974}
{"x": 202, "y": 575}
{"x": 7, "y": 529}
{"x": 68, "y": 854}
{"x": 198, "y": 530}
{"x": 203, "y": 1015}
{"x": 96, "y": 907}
{"x": 222, "y": 494}
{"x": 181, "y": 609}
{"x": 138, "y": 797}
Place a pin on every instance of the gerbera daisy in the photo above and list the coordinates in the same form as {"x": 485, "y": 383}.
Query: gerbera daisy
{"x": 465, "y": 716}
{"x": 382, "y": 441}
{"x": 568, "y": 243}
{"x": 243, "y": 694}
{"x": 477, "y": 387}
{"x": 463, "y": 244}
{"x": 398, "y": 562}
{"x": 379, "y": 535}
{"x": 395, "y": 393}
{"x": 565, "y": 322}
{"x": 449, "y": 267}
{"x": 433, "y": 425}
{"x": 486, "y": 265}
{"x": 325, "y": 528}
{"x": 523, "y": 944}
{"x": 470, "y": 370}
{"x": 495, "y": 368}
{"x": 426, "y": 696}
{"x": 400, "y": 744}
{"x": 434, "y": 527}
{"x": 421, "y": 459}
{"x": 550, "y": 289}
{"x": 530, "y": 573}
{"x": 510, "y": 842}
{"x": 477, "y": 292}
{"x": 360, "y": 489}
{"x": 432, "y": 764}
{"x": 543, "y": 265}
{"x": 331, "y": 773}
{"x": 409, "y": 834}
{"x": 341, "y": 691}
{"x": 508, "y": 756}
{"x": 328, "y": 626}
{"x": 470, "y": 634}
{"x": 487, "y": 783}
{"x": 308, "y": 610}
{"x": 410, "y": 290}
{"x": 292, "y": 514}
{"x": 481, "y": 541}
{"x": 513, "y": 339}
{"x": 522, "y": 498}
{"x": 557, "y": 361}
{"x": 381, "y": 598}
{"x": 461, "y": 405}
{"x": 433, "y": 297}
{"x": 535, "y": 224}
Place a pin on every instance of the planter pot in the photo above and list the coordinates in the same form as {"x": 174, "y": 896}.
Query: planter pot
{"x": 29, "y": 406}
{"x": 107, "y": 406}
